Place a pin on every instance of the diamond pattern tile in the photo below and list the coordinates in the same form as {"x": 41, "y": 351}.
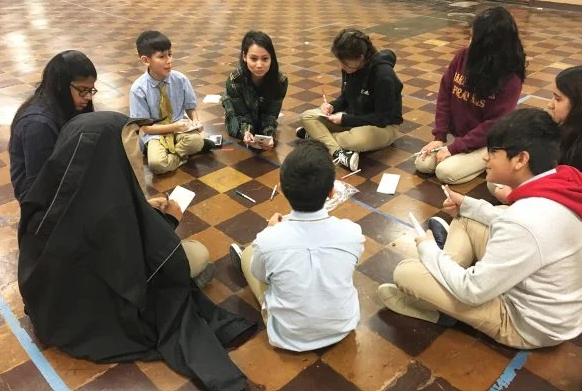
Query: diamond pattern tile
{"x": 387, "y": 351}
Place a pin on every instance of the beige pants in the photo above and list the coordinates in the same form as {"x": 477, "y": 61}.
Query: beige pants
{"x": 257, "y": 287}
{"x": 197, "y": 255}
{"x": 160, "y": 160}
{"x": 466, "y": 242}
{"x": 456, "y": 169}
{"x": 335, "y": 137}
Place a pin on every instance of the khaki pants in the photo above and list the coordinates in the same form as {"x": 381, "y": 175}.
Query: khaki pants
{"x": 197, "y": 255}
{"x": 257, "y": 287}
{"x": 335, "y": 137}
{"x": 160, "y": 160}
{"x": 455, "y": 169}
{"x": 466, "y": 242}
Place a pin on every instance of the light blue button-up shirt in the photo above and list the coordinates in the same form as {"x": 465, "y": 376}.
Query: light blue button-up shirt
{"x": 144, "y": 98}
{"x": 308, "y": 260}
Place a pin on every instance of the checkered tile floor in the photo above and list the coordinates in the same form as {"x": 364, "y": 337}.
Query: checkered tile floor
{"x": 387, "y": 351}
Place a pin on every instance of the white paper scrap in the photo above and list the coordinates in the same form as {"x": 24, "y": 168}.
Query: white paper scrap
{"x": 212, "y": 99}
{"x": 388, "y": 183}
{"x": 182, "y": 196}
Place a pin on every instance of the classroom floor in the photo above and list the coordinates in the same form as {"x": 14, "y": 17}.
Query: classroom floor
{"x": 387, "y": 351}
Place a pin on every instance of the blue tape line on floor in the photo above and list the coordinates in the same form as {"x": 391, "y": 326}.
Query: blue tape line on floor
{"x": 509, "y": 373}
{"x": 45, "y": 368}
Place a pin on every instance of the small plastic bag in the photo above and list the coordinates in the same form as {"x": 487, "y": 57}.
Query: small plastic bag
{"x": 343, "y": 191}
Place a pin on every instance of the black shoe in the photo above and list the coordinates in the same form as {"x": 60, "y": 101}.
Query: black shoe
{"x": 440, "y": 230}
{"x": 208, "y": 145}
{"x": 206, "y": 276}
{"x": 348, "y": 159}
{"x": 300, "y": 132}
{"x": 236, "y": 256}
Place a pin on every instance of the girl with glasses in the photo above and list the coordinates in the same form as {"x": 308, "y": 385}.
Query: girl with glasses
{"x": 66, "y": 89}
{"x": 365, "y": 117}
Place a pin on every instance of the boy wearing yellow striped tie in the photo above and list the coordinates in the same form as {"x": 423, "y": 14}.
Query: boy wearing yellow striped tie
{"x": 163, "y": 93}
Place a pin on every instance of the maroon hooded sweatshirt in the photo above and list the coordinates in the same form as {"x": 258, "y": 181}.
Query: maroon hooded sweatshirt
{"x": 464, "y": 116}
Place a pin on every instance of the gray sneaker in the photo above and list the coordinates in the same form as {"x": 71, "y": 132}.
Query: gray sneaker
{"x": 236, "y": 256}
{"x": 206, "y": 276}
{"x": 300, "y": 132}
{"x": 349, "y": 159}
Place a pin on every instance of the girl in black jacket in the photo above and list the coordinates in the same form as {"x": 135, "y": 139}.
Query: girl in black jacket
{"x": 365, "y": 117}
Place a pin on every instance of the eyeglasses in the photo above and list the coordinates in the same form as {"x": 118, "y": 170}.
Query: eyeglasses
{"x": 83, "y": 92}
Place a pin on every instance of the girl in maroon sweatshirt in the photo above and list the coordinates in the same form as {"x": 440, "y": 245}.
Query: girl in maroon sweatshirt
{"x": 482, "y": 83}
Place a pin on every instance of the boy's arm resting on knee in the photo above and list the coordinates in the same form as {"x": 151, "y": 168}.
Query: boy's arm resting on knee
{"x": 511, "y": 256}
{"x": 480, "y": 210}
{"x": 160, "y": 129}
{"x": 258, "y": 268}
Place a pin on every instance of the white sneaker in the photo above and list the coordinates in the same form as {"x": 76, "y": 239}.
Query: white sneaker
{"x": 348, "y": 159}
{"x": 401, "y": 303}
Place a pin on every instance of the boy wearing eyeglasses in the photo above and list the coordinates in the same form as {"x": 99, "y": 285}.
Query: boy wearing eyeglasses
{"x": 166, "y": 94}
{"x": 525, "y": 288}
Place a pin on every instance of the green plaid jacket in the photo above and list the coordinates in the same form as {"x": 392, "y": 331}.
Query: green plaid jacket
{"x": 245, "y": 111}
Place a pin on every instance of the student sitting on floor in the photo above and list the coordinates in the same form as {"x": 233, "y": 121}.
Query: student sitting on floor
{"x": 103, "y": 275}
{"x": 366, "y": 115}
{"x": 525, "y": 290}
{"x": 66, "y": 90}
{"x": 163, "y": 93}
{"x": 255, "y": 92}
{"x": 481, "y": 84}
{"x": 300, "y": 267}
{"x": 566, "y": 109}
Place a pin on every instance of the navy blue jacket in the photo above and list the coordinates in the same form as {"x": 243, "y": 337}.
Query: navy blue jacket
{"x": 31, "y": 144}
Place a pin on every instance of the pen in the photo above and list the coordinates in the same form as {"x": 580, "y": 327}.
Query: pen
{"x": 167, "y": 196}
{"x": 323, "y": 93}
{"x": 273, "y": 193}
{"x": 431, "y": 151}
{"x": 240, "y": 193}
{"x": 446, "y": 192}
{"x": 352, "y": 173}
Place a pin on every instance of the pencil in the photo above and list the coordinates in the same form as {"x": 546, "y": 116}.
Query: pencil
{"x": 352, "y": 173}
{"x": 240, "y": 193}
{"x": 323, "y": 93}
{"x": 273, "y": 193}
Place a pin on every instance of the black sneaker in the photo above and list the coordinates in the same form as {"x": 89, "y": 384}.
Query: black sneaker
{"x": 349, "y": 159}
{"x": 300, "y": 132}
{"x": 235, "y": 256}
{"x": 206, "y": 276}
{"x": 208, "y": 145}
{"x": 440, "y": 230}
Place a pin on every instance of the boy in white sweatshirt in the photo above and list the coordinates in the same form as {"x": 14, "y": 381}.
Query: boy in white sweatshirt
{"x": 525, "y": 290}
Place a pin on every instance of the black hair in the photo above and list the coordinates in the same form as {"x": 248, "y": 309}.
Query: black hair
{"x": 307, "y": 176}
{"x": 495, "y": 53}
{"x": 351, "y": 44}
{"x": 569, "y": 82}
{"x": 150, "y": 42}
{"x": 530, "y": 130}
{"x": 54, "y": 91}
{"x": 273, "y": 89}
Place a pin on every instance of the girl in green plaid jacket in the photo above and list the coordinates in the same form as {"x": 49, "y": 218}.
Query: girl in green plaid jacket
{"x": 255, "y": 92}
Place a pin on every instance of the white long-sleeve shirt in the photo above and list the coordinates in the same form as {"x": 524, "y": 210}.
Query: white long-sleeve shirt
{"x": 533, "y": 260}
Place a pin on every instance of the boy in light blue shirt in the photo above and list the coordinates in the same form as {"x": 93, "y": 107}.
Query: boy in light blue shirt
{"x": 301, "y": 268}
{"x": 163, "y": 93}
